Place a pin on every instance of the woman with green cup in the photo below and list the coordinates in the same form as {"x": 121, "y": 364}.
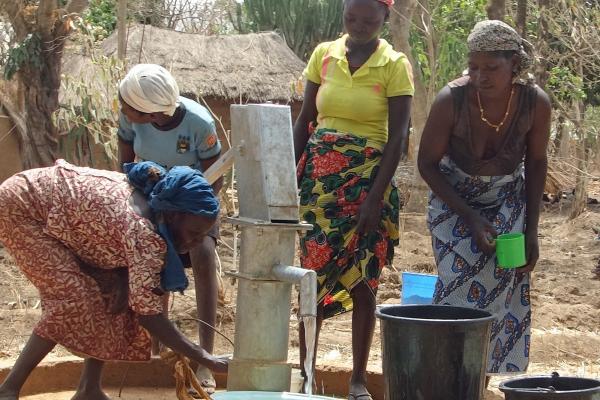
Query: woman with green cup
{"x": 483, "y": 154}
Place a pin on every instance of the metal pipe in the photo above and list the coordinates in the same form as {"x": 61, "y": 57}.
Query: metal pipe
{"x": 307, "y": 279}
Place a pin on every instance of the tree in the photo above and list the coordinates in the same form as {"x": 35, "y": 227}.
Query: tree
{"x": 41, "y": 28}
{"x": 522, "y": 17}
{"x": 496, "y": 9}
{"x": 541, "y": 72}
{"x": 570, "y": 44}
{"x": 433, "y": 34}
{"x": 303, "y": 23}
{"x": 121, "y": 29}
{"x": 6, "y": 37}
{"x": 149, "y": 12}
{"x": 400, "y": 29}
{"x": 206, "y": 18}
{"x": 101, "y": 17}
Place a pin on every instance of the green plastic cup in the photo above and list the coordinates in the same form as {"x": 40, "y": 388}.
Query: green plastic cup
{"x": 510, "y": 250}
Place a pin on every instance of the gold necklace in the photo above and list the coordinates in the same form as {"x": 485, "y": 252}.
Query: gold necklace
{"x": 484, "y": 119}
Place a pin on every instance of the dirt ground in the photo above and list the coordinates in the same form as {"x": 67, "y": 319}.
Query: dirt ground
{"x": 566, "y": 299}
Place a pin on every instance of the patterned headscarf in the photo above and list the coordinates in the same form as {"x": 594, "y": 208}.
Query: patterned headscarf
{"x": 494, "y": 35}
{"x": 149, "y": 88}
{"x": 181, "y": 189}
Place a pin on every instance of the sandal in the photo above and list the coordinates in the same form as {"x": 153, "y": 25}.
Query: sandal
{"x": 362, "y": 396}
{"x": 206, "y": 379}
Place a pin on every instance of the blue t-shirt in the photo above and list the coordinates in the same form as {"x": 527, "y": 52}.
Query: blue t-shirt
{"x": 194, "y": 139}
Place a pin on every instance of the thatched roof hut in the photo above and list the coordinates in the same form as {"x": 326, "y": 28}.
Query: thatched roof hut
{"x": 217, "y": 71}
{"x": 224, "y": 70}
{"x": 256, "y": 67}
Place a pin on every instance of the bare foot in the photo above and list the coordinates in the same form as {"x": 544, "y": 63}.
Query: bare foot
{"x": 90, "y": 395}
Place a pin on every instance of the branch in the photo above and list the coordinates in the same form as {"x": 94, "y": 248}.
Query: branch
{"x": 12, "y": 110}
{"x": 46, "y": 16}
{"x": 14, "y": 10}
{"x": 76, "y": 6}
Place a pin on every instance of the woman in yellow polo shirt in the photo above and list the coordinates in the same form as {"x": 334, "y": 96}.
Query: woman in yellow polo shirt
{"x": 348, "y": 141}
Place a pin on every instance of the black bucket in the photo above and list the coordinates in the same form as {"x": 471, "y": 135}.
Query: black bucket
{"x": 552, "y": 387}
{"x": 434, "y": 352}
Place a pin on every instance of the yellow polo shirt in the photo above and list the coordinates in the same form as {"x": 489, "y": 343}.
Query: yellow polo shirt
{"x": 358, "y": 103}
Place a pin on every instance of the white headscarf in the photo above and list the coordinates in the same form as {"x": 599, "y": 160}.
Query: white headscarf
{"x": 150, "y": 88}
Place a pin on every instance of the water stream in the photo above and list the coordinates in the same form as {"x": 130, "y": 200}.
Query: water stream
{"x": 310, "y": 331}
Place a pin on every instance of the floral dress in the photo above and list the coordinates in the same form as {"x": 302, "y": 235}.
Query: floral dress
{"x": 61, "y": 221}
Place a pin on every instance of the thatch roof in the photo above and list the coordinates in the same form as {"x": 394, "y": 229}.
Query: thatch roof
{"x": 254, "y": 67}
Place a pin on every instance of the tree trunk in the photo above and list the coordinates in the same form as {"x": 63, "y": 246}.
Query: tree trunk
{"x": 522, "y": 17}
{"x": 122, "y": 29}
{"x": 400, "y": 23}
{"x": 596, "y": 164}
{"x": 38, "y": 81}
{"x": 560, "y": 135}
{"x": 580, "y": 200}
{"x": 596, "y": 161}
{"x": 541, "y": 70}
{"x": 564, "y": 148}
{"x": 496, "y": 9}
{"x": 41, "y": 98}
{"x": 40, "y": 143}
{"x": 152, "y": 12}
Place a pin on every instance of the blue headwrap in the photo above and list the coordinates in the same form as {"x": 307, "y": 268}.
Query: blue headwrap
{"x": 182, "y": 189}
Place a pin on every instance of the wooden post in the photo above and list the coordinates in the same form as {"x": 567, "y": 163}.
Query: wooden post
{"x": 122, "y": 29}
{"x": 220, "y": 167}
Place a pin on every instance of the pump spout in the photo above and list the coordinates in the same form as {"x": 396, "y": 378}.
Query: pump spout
{"x": 307, "y": 279}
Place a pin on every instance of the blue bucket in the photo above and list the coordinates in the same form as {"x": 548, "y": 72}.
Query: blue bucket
{"x": 418, "y": 288}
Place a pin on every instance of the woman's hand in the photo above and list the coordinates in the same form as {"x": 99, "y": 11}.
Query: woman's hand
{"x": 218, "y": 364}
{"x": 159, "y": 326}
{"x": 483, "y": 232}
{"x": 532, "y": 251}
{"x": 368, "y": 217}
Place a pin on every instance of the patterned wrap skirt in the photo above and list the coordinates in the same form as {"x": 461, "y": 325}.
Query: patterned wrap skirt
{"x": 335, "y": 175}
{"x": 469, "y": 278}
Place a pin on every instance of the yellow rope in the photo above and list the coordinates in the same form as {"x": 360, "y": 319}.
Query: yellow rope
{"x": 184, "y": 376}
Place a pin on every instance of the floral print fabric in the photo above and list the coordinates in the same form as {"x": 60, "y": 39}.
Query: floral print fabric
{"x": 54, "y": 221}
{"x": 335, "y": 175}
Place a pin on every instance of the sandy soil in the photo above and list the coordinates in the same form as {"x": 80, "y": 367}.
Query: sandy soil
{"x": 566, "y": 300}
